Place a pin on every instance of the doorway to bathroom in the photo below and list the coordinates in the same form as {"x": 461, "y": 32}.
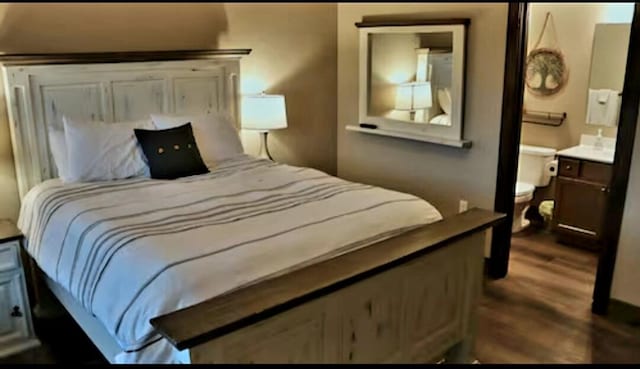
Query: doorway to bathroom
{"x": 566, "y": 142}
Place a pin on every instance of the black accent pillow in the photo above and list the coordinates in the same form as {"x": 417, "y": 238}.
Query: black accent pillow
{"x": 171, "y": 153}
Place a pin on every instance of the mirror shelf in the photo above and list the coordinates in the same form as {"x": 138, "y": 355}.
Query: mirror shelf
{"x": 463, "y": 144}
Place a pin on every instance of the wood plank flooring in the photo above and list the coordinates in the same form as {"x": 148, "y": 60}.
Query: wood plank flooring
{"x": 63, "y": 342}
{"x": 541, "y": 312}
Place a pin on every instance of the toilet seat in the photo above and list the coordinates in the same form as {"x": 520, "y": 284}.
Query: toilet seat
{"x": 524, "y": 191}
{"x": 444, "y": 100}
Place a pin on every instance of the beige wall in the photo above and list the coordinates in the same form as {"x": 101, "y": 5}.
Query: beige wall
{"x": 574, "y": 26}
{"x": 439, "y": 174}
{"x": 9, "y": 203}
{"x": 294, "y": 53}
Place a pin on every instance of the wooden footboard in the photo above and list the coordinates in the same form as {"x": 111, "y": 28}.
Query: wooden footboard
{"x": 408, "y": 299}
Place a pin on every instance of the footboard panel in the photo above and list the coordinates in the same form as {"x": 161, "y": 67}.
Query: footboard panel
{"x": 414, "y": 312}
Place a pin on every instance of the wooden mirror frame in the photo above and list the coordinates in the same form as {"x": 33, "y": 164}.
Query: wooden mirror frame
{"x": 446, "y": 135}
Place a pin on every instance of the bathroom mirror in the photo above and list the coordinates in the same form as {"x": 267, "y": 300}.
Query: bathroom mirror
{"x": 412, "y": 77}
{"x": 609, "y": 55}
{"x": 606, "y": 78}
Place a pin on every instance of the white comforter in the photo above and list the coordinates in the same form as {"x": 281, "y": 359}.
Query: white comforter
{"x": 133, "y": 249}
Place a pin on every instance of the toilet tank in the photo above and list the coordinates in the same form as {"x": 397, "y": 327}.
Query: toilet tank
{"x": 534, "y": 163}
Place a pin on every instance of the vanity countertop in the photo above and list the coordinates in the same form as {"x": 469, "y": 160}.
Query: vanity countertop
{"x": 604, "y": 155}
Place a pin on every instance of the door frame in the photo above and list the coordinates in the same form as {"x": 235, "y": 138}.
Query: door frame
{"x": 512, "y": 102}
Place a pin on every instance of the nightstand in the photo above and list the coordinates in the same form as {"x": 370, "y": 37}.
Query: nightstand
{"x": 16, "y": 327}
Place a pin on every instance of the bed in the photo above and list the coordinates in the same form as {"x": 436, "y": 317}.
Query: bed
{"x": 255, "y": 261}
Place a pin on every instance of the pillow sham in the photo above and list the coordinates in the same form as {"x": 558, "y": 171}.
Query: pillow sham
{"x": 58, "y": 148}
{"x": 171, "y": 153}
{"x": 215, "y": 134}
{"x": 99, "y": 151}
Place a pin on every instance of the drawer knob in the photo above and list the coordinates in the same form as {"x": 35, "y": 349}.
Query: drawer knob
{"x": 603, "y": 189}
{"x": 16, "y": 313}
{"x": 568, "y": 167}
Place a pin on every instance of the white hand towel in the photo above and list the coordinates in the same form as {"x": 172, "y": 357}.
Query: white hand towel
{"x": 603, "y": 96}
{"x": 595, "y": 111}
{"x": 613, "y": 109}
{"x": 603, "y": 113}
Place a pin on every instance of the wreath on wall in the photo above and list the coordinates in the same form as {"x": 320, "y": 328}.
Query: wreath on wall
{"x": 546, "y": 70}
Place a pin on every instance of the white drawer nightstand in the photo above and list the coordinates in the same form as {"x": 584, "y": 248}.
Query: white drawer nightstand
{"x": 16, "y": 327}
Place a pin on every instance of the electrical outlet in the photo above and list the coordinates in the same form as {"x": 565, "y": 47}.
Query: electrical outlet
{"x": 464, "y": 205}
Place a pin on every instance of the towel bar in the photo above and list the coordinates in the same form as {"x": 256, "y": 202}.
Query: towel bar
{"x": 544, "y": 118}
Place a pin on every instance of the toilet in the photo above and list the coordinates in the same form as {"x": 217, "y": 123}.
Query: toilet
{"x": 536, "y": 166}
{"x": 444, "y": 101}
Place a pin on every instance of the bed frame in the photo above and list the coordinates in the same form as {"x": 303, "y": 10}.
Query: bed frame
{"x": 411, "y": 298}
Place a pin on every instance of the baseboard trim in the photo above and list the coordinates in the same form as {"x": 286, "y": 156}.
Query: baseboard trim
{"x": 624, "y": 312}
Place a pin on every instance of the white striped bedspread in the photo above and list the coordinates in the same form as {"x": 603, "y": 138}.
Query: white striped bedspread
{"x": 130, "y": 250}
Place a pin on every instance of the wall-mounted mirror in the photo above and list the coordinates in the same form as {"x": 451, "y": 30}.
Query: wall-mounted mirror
{"x": 412, "y": 78}
{"x": 609, "y": 55}
{"x": 606, "y": 78}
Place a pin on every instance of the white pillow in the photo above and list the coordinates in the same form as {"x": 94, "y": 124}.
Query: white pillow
{"x": 58, "y": 147}
{"x": 215, "y": 135}
{"x": 103, "y": 151}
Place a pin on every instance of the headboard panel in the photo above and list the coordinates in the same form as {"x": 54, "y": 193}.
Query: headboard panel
{"x": 38, "y": 95}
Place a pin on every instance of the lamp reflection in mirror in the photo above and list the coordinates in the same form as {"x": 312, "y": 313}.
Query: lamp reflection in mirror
{"x": 263, "y": 113}
{"x": 412, "y": 96}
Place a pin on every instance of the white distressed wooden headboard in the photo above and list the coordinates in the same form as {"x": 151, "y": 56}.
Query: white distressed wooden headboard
{"x": 109, "y": 87}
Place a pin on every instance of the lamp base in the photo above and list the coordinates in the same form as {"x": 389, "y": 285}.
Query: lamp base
{"x": 412, "y": 115}
{"x": 264, "y": 149}
{"x": 417, "y": 116}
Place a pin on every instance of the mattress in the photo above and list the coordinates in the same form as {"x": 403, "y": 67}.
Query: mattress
{"x": 130, "y": 250}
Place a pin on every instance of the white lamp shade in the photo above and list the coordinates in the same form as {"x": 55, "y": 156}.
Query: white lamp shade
{"x": 264, "y": 112}
{"x": 413, "y": 96}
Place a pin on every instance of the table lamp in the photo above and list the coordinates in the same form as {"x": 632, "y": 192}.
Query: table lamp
{"x": 263, "y": 113}
{"x": 412, "y": 96}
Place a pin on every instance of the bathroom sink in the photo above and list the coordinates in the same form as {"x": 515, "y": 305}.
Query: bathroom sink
{"x": 587, "y": 152}
{"x": 587, "y": 149}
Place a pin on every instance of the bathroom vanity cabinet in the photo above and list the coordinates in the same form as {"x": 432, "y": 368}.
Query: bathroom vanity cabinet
{"x": 582, "y": 192}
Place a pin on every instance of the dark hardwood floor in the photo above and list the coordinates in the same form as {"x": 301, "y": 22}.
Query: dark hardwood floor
{"x": 63, "y": 342}
{"x": 540, "y": 313}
